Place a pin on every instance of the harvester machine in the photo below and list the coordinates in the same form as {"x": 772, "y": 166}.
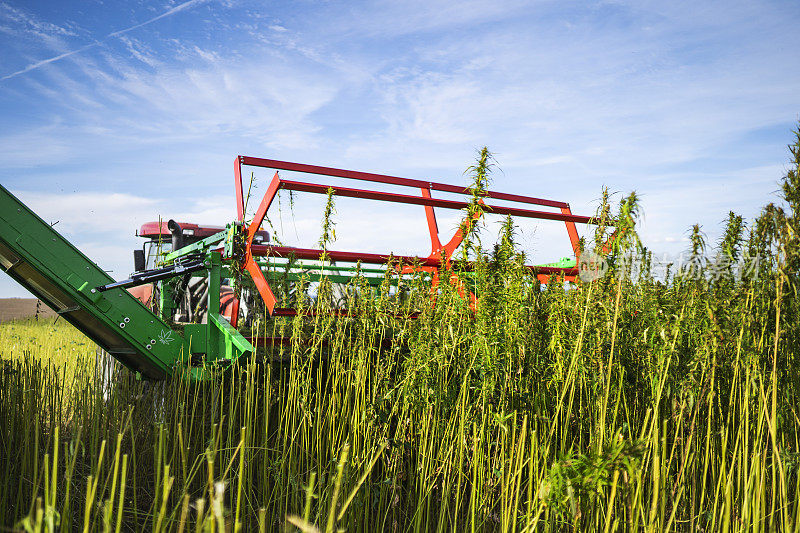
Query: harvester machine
{"x": 189, "y": 303}
{"x": 190, "y": 296}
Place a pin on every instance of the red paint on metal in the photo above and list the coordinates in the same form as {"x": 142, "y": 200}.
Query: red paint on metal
{"x": 440, "y": 256}
{"x": 255, "y": 271}
{"x": 261, "y": 285}
{"x": 234, "y": 318}
{"x": 237, "y": 181}
{"x": 143, "y": 293}
{"x": 258, "y": 219}
{"x": 336, "y": 255}
{"x": 227, "y": 300}
{"x": 432, "y": 202}
{"x": 154, "y": 230}
{"x": 433, "y": 227}
{"x": 379, "y": 259}
{"x": 572, "y": 231}
{"x": 390, "y": 180}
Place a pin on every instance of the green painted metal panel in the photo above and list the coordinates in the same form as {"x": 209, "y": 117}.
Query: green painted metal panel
{"x": 564, "y": 262}
{"x": 299, "y": 265}
{"x": 40, "y": 259}
{"x": 232, "y": 344}
{"x": 199, "y": 246}
{"x": 312, "y": 277}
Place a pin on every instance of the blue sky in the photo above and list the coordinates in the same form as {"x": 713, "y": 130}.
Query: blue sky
{"x": 114, "y": 113}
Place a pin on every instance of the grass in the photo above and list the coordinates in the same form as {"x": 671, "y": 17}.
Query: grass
{"x": 630, "y": 403}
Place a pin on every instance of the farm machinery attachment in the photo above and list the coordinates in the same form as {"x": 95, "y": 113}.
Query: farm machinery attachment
{"x": 147, "y": 323}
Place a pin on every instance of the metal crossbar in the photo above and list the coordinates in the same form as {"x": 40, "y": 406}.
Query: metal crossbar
{"x": 441, "y": 254}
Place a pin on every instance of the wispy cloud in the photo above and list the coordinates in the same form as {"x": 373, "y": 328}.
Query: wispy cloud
{"x": 110, "y": 243}
{"x": 267, "y": 100}
{"x": 33, "y": 66}
{"x": 139, "y": 51}
{"x": 26, "y": 22}
{"x": 669, "y": 100}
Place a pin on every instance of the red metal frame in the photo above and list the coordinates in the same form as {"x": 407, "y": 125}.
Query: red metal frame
{"x": 440, "y": 255}
{"x": 154, "y": 230}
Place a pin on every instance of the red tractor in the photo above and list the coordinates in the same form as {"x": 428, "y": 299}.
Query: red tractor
{"x": 164, "y": 237}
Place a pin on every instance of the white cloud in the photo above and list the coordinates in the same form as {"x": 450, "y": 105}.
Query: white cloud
{"x": 140, "y": 51}
{"x": 25, "y": 22}
{"x": 638, "y": 96}
{"x": 393, "y": 19}
{"x": 90, "y": 212}
{"x": 47, "y": 31}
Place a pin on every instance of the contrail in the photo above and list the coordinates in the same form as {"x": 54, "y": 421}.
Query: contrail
{"x": 33, "y": 66}
{"x": 47, "y": 61}
{"x": 181, "y": 7}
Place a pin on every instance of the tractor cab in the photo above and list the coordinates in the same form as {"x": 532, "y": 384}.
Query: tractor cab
{"x": 165, "y": 236}
{"x": 191, "y": 295}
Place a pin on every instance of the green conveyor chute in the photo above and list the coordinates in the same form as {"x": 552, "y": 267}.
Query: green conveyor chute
{"x": 49, "y": 266}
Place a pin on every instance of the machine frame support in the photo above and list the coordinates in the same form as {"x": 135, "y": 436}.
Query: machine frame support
{"x": 153, "y": 345}
{"x": 440, "y": 255}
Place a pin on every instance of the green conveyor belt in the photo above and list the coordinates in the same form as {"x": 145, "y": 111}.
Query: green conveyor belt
{"x": 44, "y": 262}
